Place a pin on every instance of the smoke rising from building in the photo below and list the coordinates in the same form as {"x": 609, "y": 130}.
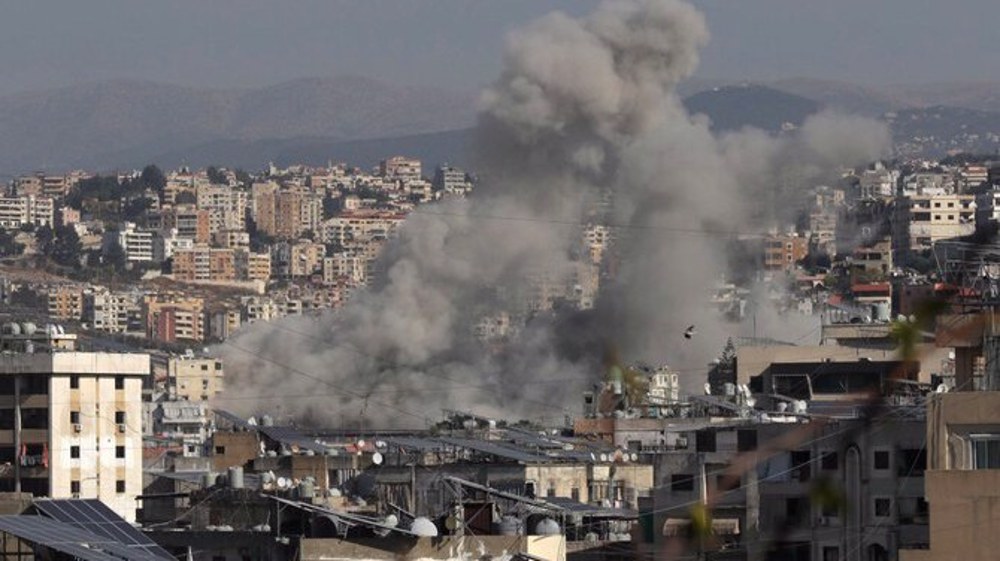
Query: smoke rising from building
{"x": 585, "y": 111}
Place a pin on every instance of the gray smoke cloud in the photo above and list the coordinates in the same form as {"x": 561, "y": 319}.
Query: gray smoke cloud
{"x": 584, "y": 111}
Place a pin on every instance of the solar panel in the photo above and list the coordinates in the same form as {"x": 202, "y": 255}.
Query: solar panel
{"x": 68, "y": 539}
{"x": 94, "y": 516}
{"x": 289, "y": 435}
{"x": 494, "y": 449}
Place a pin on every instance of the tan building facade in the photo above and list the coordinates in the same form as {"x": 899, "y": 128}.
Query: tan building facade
{"x": 962, "y": 484}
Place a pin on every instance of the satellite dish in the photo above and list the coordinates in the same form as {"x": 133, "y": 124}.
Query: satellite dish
{"x": 634, "y": 457}
{"x": 593, "y": 457}
{"x": 361, "y": 443}
{"x": 282, "y": 483}
{"x": 708, "y": 388}
{"x": 377, "y": 458}
{"x": 604, "y": 457}
{"x": 942, "y": 388}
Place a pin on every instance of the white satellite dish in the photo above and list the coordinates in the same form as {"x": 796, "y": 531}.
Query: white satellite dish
{"x": 604, "y": 457}
{"x": 708, "y": 388}
{"x": 361, "y": 443}
{"x": 593, "y": 457}
{"x": 942, "y": 388}
{"x": 377, "y": 458}
{"x": 634, "y": 457}
{"x": 282, "y": 483}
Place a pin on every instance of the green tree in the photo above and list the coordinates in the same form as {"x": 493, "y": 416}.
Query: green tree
{"x": 216, "y": 176}
{"x": 153, "y": 178}
{"x": 67, "y": 248}
{"x": 8, "y": 245}
{"x": 44, "y": 237}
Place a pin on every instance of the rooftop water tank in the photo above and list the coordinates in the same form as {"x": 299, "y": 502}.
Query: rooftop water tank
{"x": 236, "y": 477}
{"x": 423, "y": 527}
{"x": 508, "y": 526}
{"x": 547, "y": 527}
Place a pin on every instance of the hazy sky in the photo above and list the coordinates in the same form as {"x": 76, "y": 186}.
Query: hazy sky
{"x": 457, "y": 43}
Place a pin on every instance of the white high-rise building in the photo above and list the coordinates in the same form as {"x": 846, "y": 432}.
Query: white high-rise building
{"x": 70, "y": 421}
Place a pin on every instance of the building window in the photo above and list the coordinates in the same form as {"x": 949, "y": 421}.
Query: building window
{"x": 883, "y": 507}
{"x": 74, "y": 487}
{"x": 800, "y": 460}
{"x": 119, "y": 451}
{"x": 74, "y": 452}
{"x": 74, "y": 382}
{"x": 74, "y": 417}
{"x": 881, "y": 459}
{"x": 119, "y": 382}
{"x": 831, "y": 553}
{"x": 726, "y": 482}
{"x": 829, "y": 461}
{"x": 575, "y": 494}
{"x": 119, "y": 417}
{"x": 746, "y": 440}
{"x": 681, "y": 482}
{"x": 120, "y": 486}
{"x": 529, "y": 486}
{"x": 986, "y": 451}
{"x": 35, "y": 418}
{"x": 705, "y": 441}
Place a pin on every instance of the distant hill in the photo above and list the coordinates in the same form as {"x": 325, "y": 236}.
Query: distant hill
{"x": 432, "y": 148}
{"x": 736, "y": 107}
{"x": 92, "y": 125}
{"x": 842, "y": 96}
{"x": 940, "y": 130}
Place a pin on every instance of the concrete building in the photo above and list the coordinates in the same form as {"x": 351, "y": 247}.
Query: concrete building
{"x": 873, "y": 258}
{"x": 204, "y": 264}
{"x": 72, "y": 420}
{"x": 194, "y": 379}
{"x": 783, "y": 252}
{"x": 345, "y": 267}
{"x": 451, "y": 180}
{"x": 226, "y": 207}
{"x": 113, "y": 312}
{"x": 182, "y": 421}
{"x": 66, "y": 303}
{"x": 138, "y": 244}
{"x": 929, "y": 219}
{"x": 190, "y": 222}
{"x": 24, "y": 210}
{"x": 400, "y": 168}
{"x": 253, "y": 266}
{"x": 170, "y": 318}
{"x": 963, "y": 477}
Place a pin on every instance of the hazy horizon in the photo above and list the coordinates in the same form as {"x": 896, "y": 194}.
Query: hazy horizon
{"x": 456, "y": 44}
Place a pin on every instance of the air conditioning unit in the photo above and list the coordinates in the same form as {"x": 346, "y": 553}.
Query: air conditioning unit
{"x": 121, "y": 427}
{"x": 77, "y": 427}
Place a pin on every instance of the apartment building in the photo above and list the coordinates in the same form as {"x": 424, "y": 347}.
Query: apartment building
{"x": 925, "y": 220}
{"x": 189, "y": 222}
{"x": 204, "y": 264}
{"x": 226, "y": 207}
{"x": 171, "y": 317}
{"x": 139, "y": 245}
{"x": 874, "y": 258}
{"x": 451, "y": 180}
{"x": 400, "y": 168}
{"x": 72, "y": 421}
{"x": 361, "y": 226}
{"x": 963, "y": 477}
{"x": 262, "y": 206}
{"x": 231, "y": 239}
{"x": 66, "y": 303}
{"x": 345, "y": 267}
{"x": 194, "y": 378}
{"x": 253, "y": 266}
{"x": 783, "y": 252}
{"x": 295, "y": 260}
{"x": 28, "y": 209}
{"x": 112, "y": 312}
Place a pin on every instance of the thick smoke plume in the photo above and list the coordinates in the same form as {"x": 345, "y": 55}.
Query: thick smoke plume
{"x": 582, "y": 126}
